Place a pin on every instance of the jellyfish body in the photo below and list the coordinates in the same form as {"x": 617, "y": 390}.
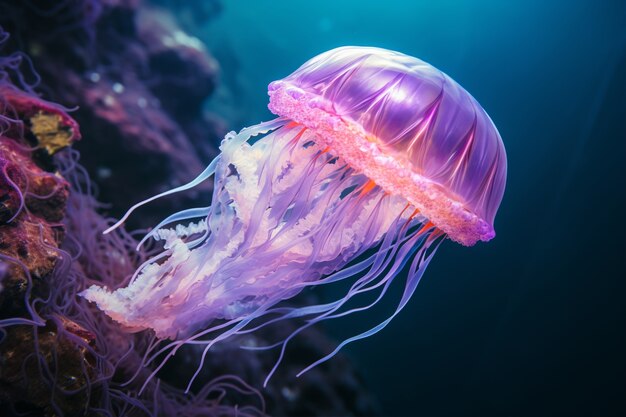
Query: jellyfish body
{"x": 375, "y": 158}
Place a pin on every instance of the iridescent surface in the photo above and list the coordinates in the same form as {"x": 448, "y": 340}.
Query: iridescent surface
{"x": 415, "y": 112}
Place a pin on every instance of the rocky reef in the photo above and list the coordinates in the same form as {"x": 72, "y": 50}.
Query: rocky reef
{"x": 131, "y": 83}
{"x": 57, "y": 355}
{"x": 137, "y": 82}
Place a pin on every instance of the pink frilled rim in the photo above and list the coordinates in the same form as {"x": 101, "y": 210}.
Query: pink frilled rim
{"x": 367, "y": 154}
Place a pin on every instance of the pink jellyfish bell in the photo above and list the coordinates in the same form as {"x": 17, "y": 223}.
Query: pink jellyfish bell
{"x": 408, "y": 127}
{"x": 375, "y": 158}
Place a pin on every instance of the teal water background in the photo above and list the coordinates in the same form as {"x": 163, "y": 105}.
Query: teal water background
{"x": 533, "y": 322}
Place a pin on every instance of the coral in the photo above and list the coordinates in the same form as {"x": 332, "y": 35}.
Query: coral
{"x": 49, "y": 124}
{"x": 58, "y": 356}
{"x": 34, "y": 199}
{"x": 20, "y": 373}
{"x": 136, "y": 83}
{"x": 44, "y": 192}
{"x": 31, "y": 232}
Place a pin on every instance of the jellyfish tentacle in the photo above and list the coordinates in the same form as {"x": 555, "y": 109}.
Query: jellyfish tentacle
{"x": 293, "y": 312}
{"x": 204, "y": 175}
{"x": 331, "y": 307}
{"x": 419, "y": 267}
{"x": 380, "y": 263}
{"x": 414, "y": 246}
{"x": 243, "y": 136}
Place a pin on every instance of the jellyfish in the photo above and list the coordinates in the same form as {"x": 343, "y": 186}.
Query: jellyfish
{"x": 375, "y": 158}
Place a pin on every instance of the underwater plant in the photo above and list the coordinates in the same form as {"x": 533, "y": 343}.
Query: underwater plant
{"x": 376, "y": 157}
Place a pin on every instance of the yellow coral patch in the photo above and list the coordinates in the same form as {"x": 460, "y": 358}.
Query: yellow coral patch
{"x": 49, "y": 132}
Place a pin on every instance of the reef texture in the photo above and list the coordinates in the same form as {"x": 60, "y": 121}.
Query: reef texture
{"x": 58, "y": 357}
{"x": 32, "y": 199}
{"x": 138, "y": 83}
{"x": 135, "y": 83}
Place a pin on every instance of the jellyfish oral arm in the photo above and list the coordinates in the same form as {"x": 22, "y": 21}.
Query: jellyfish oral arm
{"x": 285, "y": 212}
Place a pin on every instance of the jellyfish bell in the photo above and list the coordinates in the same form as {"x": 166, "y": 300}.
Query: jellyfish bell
{"x": 374, "y": 159}
{"x": 407, "y": 126}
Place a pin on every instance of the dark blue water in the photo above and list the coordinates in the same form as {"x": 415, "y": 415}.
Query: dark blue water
{"x": 534, "y": 322}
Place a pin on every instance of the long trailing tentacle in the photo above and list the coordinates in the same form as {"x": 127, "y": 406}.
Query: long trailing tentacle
{"x": 393, "y": 263}
{"x": 418, "y": 267}
{"x": 204, "y": 175}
